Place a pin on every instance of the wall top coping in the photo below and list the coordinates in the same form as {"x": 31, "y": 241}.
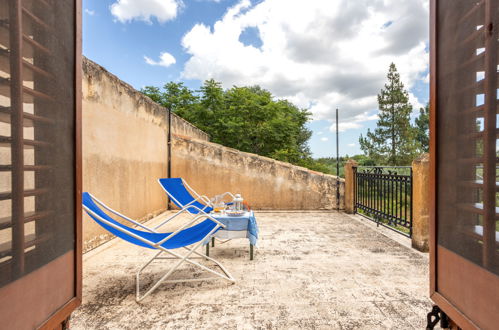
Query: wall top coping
{"x": 254, "y": 156}
{"x": 96, "y": 70}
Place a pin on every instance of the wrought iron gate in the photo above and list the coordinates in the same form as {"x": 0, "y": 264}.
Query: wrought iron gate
{"x": 384, "y": 194}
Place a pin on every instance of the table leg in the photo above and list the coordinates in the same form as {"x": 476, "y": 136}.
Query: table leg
{"x": 208, "y": 249}
{"x": 251, "y": 251}
{"x": 213, "y": 242}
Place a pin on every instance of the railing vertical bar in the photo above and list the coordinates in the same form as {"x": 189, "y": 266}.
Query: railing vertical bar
{"x": 380, "y": 200}
{"x": 394, "y": 186}
{"x": 359, "y": 189}
{"x": 363, "y": 190}
{"x": 405, "y": 204}
{"x": 368, "y": 187}
{"x": 394, "y": 182}
{"x": 393, "y": 197}
{"x": 385, "y": 206}
{"x": 399, "y": 200}
{"x": 366, "y": 194}
{"x": 397, "y": 190}
{"x": 402, "y": 183}
{"x": 372, "y": 195}
{"x": 389, "y": 206}
{"x": 380, "y": 196}
{"x": 376, "y": 199}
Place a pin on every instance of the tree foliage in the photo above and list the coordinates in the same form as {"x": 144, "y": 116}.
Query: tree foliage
{"x": 245, "y": 118}
{"x": 422, "y": 126}
{"x": 393, "y": 142}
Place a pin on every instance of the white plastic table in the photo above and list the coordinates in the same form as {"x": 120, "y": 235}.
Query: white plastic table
{"x": 236, "y": 227}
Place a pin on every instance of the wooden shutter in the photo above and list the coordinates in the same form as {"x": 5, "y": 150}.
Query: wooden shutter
{"x": 464, "y": 153}
{"x": 40, "y": 154}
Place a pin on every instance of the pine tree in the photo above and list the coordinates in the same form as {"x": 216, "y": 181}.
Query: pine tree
{"x": 393, "y": 141}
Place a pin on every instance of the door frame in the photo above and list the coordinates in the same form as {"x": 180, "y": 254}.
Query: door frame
{"x": 60, "y": 315}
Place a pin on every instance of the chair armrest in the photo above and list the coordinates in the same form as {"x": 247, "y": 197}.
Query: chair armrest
{"x": 122, "y": 216}
{"x": 206, "y": 200}
{"x": 219, "y": 224}
{"x": 186, "y": 208}
{"x": 199, "y": 198}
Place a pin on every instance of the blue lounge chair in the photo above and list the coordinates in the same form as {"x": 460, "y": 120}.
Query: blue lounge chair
{"x": 180, "y": 193}
{"x": 187, "y": 235}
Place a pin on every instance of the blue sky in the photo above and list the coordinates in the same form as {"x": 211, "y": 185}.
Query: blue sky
{"x": 320, "y": 54}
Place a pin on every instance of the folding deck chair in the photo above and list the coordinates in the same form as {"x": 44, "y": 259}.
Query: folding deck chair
{"x": 180, "y": 193}
{"x": 187, "y": 235}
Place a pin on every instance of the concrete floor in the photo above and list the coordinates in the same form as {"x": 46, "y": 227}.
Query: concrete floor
{"x": 312, "y": 270}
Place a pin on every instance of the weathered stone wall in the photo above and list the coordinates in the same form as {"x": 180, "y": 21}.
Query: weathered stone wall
{"x": 265, "y": 183}
{"x": 124, "y": 148}
{"x": 125, "y": 152}
{"x": 182, "y": 127}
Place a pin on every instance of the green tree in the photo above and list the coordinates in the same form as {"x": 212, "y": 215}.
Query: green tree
{"x": 210, "y": 107}
{"x": 252, "y": 121}
{"x": 393, "y": 141}
{"x": 245, "y": 118}
{"x": 422, "y": 126}
{"x": 176, "y": 97}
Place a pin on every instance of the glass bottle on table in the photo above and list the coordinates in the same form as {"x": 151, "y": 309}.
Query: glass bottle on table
{"x": 238, "y": 203}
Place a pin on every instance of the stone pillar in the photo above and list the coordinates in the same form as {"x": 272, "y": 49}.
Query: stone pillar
{"x": 420, "y": 202}
{"x": 350, "y": 186}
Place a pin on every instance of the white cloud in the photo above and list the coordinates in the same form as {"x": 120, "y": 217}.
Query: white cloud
{"x": 342, "y": 127}
{"x": 415, "y": 103}
{"x": 320, "y": 133}
{"x": 324, "y": 139}
{"x": 145, "y": 10}
{"x": 165, "y": 59}
{"x": 90, "y": 12}
{"x": 352, "y": 122}
{"x": 319, "y": 54}
{"x": 351, "y": 144}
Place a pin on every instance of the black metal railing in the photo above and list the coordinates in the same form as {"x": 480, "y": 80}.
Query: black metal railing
{"x": 384, "y": 194}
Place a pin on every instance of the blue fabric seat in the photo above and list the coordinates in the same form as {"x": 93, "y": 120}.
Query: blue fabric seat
{"x": 186, "y": 237}
{"x": 181, "y": 197}
{"x": 190, "y": 238}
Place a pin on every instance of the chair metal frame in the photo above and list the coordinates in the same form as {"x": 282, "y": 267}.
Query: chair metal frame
{"x": 182, "y": 258}
{"x": 187, "y": 207}
{"x": 204, "y": 198}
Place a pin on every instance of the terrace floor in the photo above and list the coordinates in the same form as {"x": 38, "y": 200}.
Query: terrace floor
{"x": 312, "y": 270}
